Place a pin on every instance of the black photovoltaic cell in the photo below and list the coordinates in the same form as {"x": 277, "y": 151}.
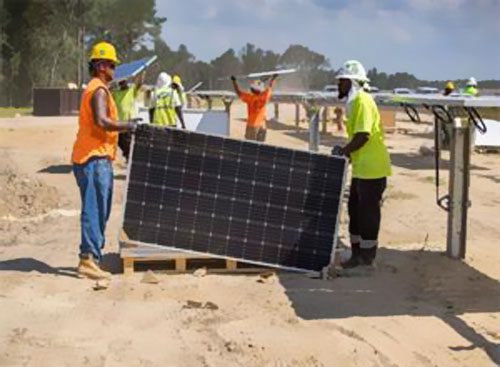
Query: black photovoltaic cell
{"x": 233, "y": 198}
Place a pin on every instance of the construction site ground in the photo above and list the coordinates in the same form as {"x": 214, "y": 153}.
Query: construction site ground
{"x": 416, "y": 308}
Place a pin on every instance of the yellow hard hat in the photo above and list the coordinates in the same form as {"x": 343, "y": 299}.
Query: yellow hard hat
{"x": 450, "y": 85}
{"x": 104, "y": 51}
{"x": 177, "y": 80}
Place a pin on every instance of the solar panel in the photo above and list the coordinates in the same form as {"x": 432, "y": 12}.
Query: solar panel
{"x": 131, "y": 69}
{"x": 236, "y": 199}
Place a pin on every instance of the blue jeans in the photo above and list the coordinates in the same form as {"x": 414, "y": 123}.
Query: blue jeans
{"x": 95, "y": 180}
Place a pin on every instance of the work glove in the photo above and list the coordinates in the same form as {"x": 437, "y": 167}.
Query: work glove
{"x": 134, "y": 123}
{"x": 143, "y": 130}
{"x": 233, "y": 78}
{"x": 337, "y": 151}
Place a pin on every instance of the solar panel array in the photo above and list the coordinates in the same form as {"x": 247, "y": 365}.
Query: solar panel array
{"x": 230, "y": 198}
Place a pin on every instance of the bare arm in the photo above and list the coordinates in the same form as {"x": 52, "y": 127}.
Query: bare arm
{"x": 273, "y": 81}
{"x": 99, "y": 109}
{"x": 356, "y": 143}
{"x": 236, "y": 86}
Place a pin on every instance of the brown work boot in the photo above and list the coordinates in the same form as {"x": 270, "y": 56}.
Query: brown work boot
{"x": 88, "y": 268}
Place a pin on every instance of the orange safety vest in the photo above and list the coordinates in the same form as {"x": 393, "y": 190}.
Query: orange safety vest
{"x": 92, "y": 140}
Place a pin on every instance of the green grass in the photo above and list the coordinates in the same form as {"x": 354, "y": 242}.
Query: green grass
{"x": 6, "y": 112}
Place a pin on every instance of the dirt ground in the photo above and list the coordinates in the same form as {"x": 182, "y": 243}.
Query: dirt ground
{"x": 416, "y": 308}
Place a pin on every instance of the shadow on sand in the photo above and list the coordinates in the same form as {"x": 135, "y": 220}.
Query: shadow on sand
{"x": 57, "y": 169}
{"x": 415, "y": 283}
{"x": 28, "y": 264}
{"x": 110, "y": 262}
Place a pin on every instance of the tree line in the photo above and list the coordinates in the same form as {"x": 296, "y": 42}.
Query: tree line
{"x": 46, "y": 43}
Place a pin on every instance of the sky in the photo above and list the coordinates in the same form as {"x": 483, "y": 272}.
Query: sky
{"x": 432, "y": 39}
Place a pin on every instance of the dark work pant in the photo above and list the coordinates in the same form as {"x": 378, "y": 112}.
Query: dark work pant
{"x": 255, "y": 133}
{"x": 151, "y": 115}
{"x": 364, "y": 210}
{"x": 124, "y": 140}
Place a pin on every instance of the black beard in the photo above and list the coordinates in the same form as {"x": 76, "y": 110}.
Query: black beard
{"x": 343, "y": 95}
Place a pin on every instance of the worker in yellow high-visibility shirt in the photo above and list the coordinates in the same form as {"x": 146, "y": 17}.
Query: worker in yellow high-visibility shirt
{"x": 471, "y": 87}
{"x": 125, "y": 96}
{"x": 179, "y": 88}
{"x": 370, "y": 160}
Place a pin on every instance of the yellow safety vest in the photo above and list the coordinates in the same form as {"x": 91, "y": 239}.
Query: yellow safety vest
{"x": 164, "y": 109}
{"x": 471, "y": 91}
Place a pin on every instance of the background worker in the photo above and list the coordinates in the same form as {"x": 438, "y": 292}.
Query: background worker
{"x": 446, "y": 129}
{"x": 256, "y": 102}
{"x": 179, "y": 88}
{"x": 125, "y": 96}
{"x": 168, "y": 105}
{"x": 370, "y": 163}
{"x": 471, "y": 87}
{"x": 93, "y": 152}
{"x": 449, "y": 88}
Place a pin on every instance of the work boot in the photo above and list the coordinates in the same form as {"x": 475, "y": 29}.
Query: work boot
{"x": 355, "y": 258}
{"x": 88, "y": 268}
{"x": 368, "y": 255}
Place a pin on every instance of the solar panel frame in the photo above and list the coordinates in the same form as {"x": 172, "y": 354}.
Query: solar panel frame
{"x": 203, "y": 250}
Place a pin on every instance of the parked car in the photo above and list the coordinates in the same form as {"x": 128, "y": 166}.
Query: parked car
{"x": 331, "y": 88}
{"x": 402, "y": 91}
{"x": 427, "y": 90}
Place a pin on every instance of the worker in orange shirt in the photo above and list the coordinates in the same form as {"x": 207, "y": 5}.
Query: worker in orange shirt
{"x": 93, "y": 152}
{"x": 256, "y": 102}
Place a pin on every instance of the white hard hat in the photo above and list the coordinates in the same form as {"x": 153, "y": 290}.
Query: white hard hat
{"x": 353, "y": 70}
{"x": 472, "y": 82}
{"x": 257, "y": 85}
{"x": 164, "y": 79}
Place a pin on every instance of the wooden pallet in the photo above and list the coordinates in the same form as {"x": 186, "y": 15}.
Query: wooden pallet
{"x": 176, "y": 261}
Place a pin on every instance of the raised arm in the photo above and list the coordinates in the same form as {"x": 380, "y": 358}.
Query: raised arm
{"x": 273, "y": 80}
{"x": 236, "y": 86}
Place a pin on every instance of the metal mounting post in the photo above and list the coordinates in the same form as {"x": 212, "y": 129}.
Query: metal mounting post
{"x": 460, "y": 151}
{"x": 297, "y": 115}
{"x": 314, "y": 131}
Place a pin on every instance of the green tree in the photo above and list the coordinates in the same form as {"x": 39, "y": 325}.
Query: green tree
{"x": 254, "y": 59}
{"x": 126, "y": 23}
{"x": 53, "y": 40}
{"x": 47, "y": 42}
{"x": 311, "y": 65}
{"x": 224, "y": 66}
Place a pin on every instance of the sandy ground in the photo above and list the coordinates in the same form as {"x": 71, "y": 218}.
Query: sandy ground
{"x": 416, "y": 308}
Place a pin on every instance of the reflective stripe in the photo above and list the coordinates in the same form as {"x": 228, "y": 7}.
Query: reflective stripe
{"x": 165, "y": 111}
{"x": 355, "y": 238}
{"x": 368, "y": 244}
